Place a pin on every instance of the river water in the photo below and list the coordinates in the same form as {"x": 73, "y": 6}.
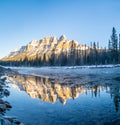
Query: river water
{"x": 65, "y": 96}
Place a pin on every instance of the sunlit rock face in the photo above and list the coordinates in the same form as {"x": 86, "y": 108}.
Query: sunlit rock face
{"x": 48, "y": 46}
{"x": 49, "y": 90}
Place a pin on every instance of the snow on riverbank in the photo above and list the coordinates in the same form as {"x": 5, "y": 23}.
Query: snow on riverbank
{"x": 73, "y": 74}
{"x": 67, "y": 67}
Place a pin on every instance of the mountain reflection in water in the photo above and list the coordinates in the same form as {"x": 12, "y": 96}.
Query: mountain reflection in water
{"x": 48, "y": 90}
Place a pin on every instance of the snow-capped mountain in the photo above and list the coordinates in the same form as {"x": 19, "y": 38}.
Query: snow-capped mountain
{"x": 46, "y": 46}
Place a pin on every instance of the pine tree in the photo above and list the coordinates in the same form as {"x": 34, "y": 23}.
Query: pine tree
{"x": 119, "y": 43}
{"x": 109, "y": 45}
{"x": 114, "y": 39}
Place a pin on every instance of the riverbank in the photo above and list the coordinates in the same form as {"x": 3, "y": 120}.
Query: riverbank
{"x": 4, "y": 105}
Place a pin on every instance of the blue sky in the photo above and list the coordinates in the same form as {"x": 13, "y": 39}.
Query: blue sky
{"x": 83, "y": 20}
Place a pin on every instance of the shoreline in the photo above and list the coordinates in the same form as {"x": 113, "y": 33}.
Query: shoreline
{"x": 4, "y": 105}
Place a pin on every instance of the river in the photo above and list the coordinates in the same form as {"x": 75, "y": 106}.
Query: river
{"x": 65, "y": 95}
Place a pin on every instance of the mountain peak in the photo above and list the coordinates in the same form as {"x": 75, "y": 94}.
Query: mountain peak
{"x": 62, "y": 37}
{"x": 34, "y": 42}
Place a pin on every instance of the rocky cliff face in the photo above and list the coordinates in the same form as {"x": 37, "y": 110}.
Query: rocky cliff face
{"x": 44, "y": 47}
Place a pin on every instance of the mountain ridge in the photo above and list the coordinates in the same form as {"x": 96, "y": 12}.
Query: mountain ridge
{"x": 47, "y": 45}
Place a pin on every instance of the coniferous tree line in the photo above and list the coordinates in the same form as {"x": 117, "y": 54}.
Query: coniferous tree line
{"x": 90, "y": 55}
